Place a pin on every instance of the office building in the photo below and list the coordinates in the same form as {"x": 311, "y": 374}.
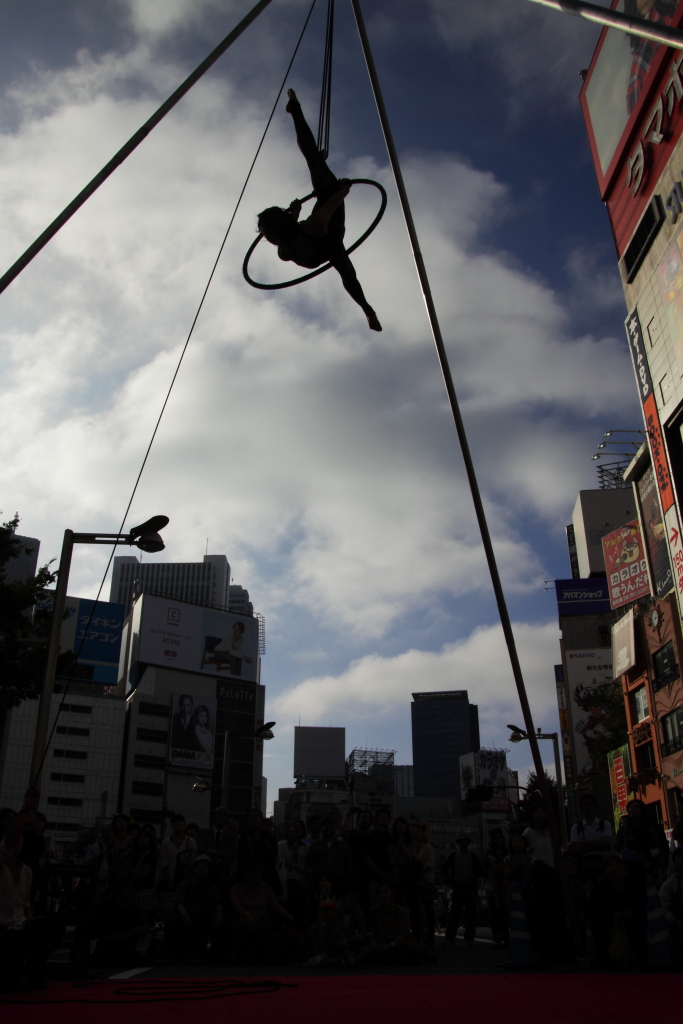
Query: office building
{"x": 635, "y": 129}
{"x": 404, "y": 784}
{"x": 444, "y": 726}
{"x": 206, "y": 582}
{"x": 192, "y": 697}
{"x": 82, "y": 767}
{"x": 238, "y": 601}
{"x": 24, "y": 564}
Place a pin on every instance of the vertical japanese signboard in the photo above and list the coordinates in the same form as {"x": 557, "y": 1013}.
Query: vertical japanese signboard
{"x": 657, "y": 451}
{"x": 619, "y": 762}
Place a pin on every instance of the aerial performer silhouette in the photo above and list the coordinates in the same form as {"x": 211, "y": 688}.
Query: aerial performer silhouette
{"x": 320, "y": 238}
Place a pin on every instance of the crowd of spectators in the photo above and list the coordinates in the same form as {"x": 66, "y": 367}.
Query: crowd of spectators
{"x": 328, "y": 894}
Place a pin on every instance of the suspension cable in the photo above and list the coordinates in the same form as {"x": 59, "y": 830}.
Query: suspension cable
{"x": 175, "y": 374}
{"x": 326, "y": 90}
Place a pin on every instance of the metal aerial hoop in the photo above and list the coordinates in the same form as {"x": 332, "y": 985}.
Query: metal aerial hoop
{"x": 325, "y": 266}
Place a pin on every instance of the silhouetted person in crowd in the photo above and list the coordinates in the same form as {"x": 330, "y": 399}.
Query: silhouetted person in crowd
{"x": 122, "y": 934}
{"x": 315, "y": 829}
{"x": 426, "y": 888}
{"x": 377, "y": 858}
{"x": 389, "y": 927}
{"x": 360, "y": 843}
{"x": 638, "y": 844}
{"x": 327, "y": 939}
{"x": 25, "y": 941}
{"x": 576, "y": 912}
{"x": 291, "y": 867}
{"x": 331, "y": 857}
{"x": 406, "y": 871}
{"x": 671, "y": 897}
{"x": 462, "y": 871}
{"x": 617, "y": 910}
{"x": 144, "y": 872}
{"x": 496, "y": 887}
{"x": 254, "y": 907}
{"x": 219, "y": 843}
{"x": 176, "y": 855}
{"x": 591, "y": 839}
{"x": 258, "y": 845}
{"x": 199, "y": 913}
{"x": 543, "y": 897}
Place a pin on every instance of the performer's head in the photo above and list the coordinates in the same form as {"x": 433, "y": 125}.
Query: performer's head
{"x": 276, "y": 225}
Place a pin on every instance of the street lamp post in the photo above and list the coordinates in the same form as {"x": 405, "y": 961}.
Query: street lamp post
{"x": 517, "y": 735}
{"x": 146, "y": 537}
{"x": 263, "y": 732}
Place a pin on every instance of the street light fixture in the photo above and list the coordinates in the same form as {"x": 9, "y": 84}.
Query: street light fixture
{"x": 146, "y": 537}
{"x": 516, "y": 736}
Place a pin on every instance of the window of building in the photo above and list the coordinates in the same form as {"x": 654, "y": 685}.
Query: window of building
{"x": 664, "y": 663}
{"x": 149, "y": 761}
{"x": 645, "y": 756}
{"x": 152, "y": 735}
{"x": 147, "y": 788}
{"x": 65, "y": 777}
{"x": 145, "y": 707}
{"x": 77, "y": 755}
{"x": 79, "y": 709}
{"x": 672, "y": 726}
{"x": 605, "y": 636}
{"x": 68, "y": 730}
{"x": 64, "y": 801}
{"x": 144, "y": 816}
{"x": 641, "y": 709}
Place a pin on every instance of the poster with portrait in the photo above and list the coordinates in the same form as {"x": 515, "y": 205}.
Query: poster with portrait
{"x": 192, "y": 733}
{"x": 625, "y": 565}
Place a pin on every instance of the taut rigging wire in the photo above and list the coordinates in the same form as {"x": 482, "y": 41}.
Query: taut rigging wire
{"x": 176, "y": 372}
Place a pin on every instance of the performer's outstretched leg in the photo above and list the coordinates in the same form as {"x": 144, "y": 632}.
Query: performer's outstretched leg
{"x": 321, "y": 175}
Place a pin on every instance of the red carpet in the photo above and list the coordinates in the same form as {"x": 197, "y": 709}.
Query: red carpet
{"x": 486, "y": 999}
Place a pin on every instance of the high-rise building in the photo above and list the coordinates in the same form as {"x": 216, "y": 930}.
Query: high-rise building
{"x": 445, "y": 725}
{"x": 206, "y": 582}
{"x": 403, "y": 780}
{"x": 238, "y": 601}
{"x": 635, "y": 128}
{"x": 23, "y": 565}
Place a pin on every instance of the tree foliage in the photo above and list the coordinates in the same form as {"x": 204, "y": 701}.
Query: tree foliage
{"x": 23, "y": 632}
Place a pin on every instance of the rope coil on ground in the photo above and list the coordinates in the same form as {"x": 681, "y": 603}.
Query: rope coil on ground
{"x": 325, "y": 266}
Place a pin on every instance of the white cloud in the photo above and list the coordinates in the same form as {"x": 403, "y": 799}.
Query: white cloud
{"x": 376, "y": 686}
{"x": 319, "y": 456}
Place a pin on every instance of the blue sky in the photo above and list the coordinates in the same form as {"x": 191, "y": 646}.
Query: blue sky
{"x": 318, "y": 456}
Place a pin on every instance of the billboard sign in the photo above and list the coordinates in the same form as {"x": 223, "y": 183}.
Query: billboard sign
{"x": 582, "y": 597}
{"x": 193, "y": 731}
{"x": 619, "y": 84}
{"x": 654, "y": 529}
{"x": 619, "y": 762}
{"x": 485, "y": 767}
{"x": 95, "y": 628}
{"x": 587, "y": 670}
{"x": 624, "y": 644}
{"x": 173, "y": 634}
{"x": 625, "y": 564}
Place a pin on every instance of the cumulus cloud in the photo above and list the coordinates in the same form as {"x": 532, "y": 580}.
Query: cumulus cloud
{"x": 293, "y": 433}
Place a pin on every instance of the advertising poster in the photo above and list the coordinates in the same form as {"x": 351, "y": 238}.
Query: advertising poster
{"x": 193, "y": 730}
{"x": 587, "y": 670}
{"x": 625, "y": 564}
{"x": 654, "y": 529}
{"x": 195, "y": 639}
{"x": 670, "y": 279}
{"x": 100, "y": 647}
{"x": 623, "y": 644}
{"x": 619, "y": 762}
